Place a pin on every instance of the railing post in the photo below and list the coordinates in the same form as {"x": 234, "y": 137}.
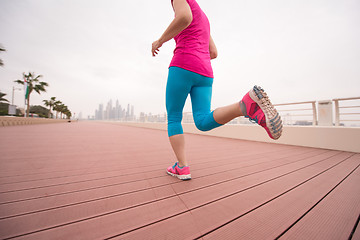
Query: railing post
{"x": 314, "y": 113}
{"x": 337, "y": 112}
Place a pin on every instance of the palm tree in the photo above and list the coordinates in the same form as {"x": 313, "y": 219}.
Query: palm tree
{"x": 62, "y": 110}
{"x": 2, "y": 99}
{"x": 68, "y": 113}
{"x": 57, "y": 107}
{"x": 2, "y": 49}
{"x": 51, "y": 104}
{"x": 33, "y": 83}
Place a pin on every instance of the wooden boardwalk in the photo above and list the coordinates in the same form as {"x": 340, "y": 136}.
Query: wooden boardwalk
{"x": 91, "y": 180}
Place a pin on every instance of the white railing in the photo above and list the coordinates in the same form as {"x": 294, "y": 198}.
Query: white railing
{"x": 351, "y": 107}
{"x": 304, "y": 107}
{"x": 297, "y": 113}
{"x": 340, "y": 116}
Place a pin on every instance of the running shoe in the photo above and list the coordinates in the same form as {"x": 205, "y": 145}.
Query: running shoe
{"x": 260, "y": 110}
{"x": 182, "y": 173}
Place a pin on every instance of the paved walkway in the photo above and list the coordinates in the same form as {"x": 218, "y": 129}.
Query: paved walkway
{"x": 98, "y": 180}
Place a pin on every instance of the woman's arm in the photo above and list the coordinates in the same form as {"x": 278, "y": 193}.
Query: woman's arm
{"x": 183, "y": 18}
{"x": 212, "y": 49}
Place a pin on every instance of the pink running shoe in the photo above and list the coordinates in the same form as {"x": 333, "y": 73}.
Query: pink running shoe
{"x": 182, "y": 173}
{"x": 260, "y": 110}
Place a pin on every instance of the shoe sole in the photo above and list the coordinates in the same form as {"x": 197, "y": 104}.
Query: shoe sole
{"x": 181, "y": 177}
{"x": 273, "y": 119}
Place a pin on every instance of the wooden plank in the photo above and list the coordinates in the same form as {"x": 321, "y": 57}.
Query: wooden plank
{"x": 197, "y": 172}
{"x": 335, "y": 216}
{"x": 87, "y": 172}
{"x": 76, "y": 198}
{"x": 96, "y": 198}
{"x": 271, "y": 219}
{"x": 84, "y": 158}
{"x": 82, "y": 141}
{"x": 84, "y": 225}
{"x": 109, "y": 225}
{"x": 73, "y": 215}
{"x": 32, "y": 184}
{"x": 217, "y": 212}
{"x": 113, "y": 158}
{"x": 356, "y": 235}
{"x": 183, "y": 228}
{"x": 213, "y": 192}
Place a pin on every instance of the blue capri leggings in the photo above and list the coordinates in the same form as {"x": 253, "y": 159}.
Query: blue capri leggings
{"x": 180, "y": 83}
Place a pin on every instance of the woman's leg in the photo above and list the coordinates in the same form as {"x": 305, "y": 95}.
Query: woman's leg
{"x": 206, "y": 120}
{"x": 201, "y": 102}
{"x": 177, "y": 89}
{"x": 225, "y": 114}
{"x": 178, "y": 145}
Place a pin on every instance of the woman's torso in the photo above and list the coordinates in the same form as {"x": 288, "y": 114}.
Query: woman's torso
{"x": 192, "y": 44}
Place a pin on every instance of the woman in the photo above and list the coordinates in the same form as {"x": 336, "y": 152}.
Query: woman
{"x": 190, "y": 72}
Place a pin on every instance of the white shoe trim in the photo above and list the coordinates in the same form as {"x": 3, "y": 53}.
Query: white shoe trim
{"x": 181, "y": 177}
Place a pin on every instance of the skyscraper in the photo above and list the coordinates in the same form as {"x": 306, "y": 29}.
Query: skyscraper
{"x": 101, "y": 112}
{"x": 115, "y": 113}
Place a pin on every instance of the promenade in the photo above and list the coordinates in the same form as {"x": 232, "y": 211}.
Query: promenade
{"x": 93, "y": 180}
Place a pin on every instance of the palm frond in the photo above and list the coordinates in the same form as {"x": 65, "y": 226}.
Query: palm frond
{"x": 44, "y": 84}
{"x": 2, "y": 49}
{"x": 19, "y": 82}
{"x": 2, "y": 99}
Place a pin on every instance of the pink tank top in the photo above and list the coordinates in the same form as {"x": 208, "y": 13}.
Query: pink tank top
{"x": 192, "y": 44}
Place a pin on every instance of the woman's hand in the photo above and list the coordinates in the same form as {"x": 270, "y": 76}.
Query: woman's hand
{"x": 155, "y": 47}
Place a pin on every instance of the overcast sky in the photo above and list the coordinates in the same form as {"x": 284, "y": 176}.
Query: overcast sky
{"x": 91, "y": 51}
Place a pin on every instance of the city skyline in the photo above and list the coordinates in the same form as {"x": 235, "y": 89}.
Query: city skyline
{"x": 116, "y": 112}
